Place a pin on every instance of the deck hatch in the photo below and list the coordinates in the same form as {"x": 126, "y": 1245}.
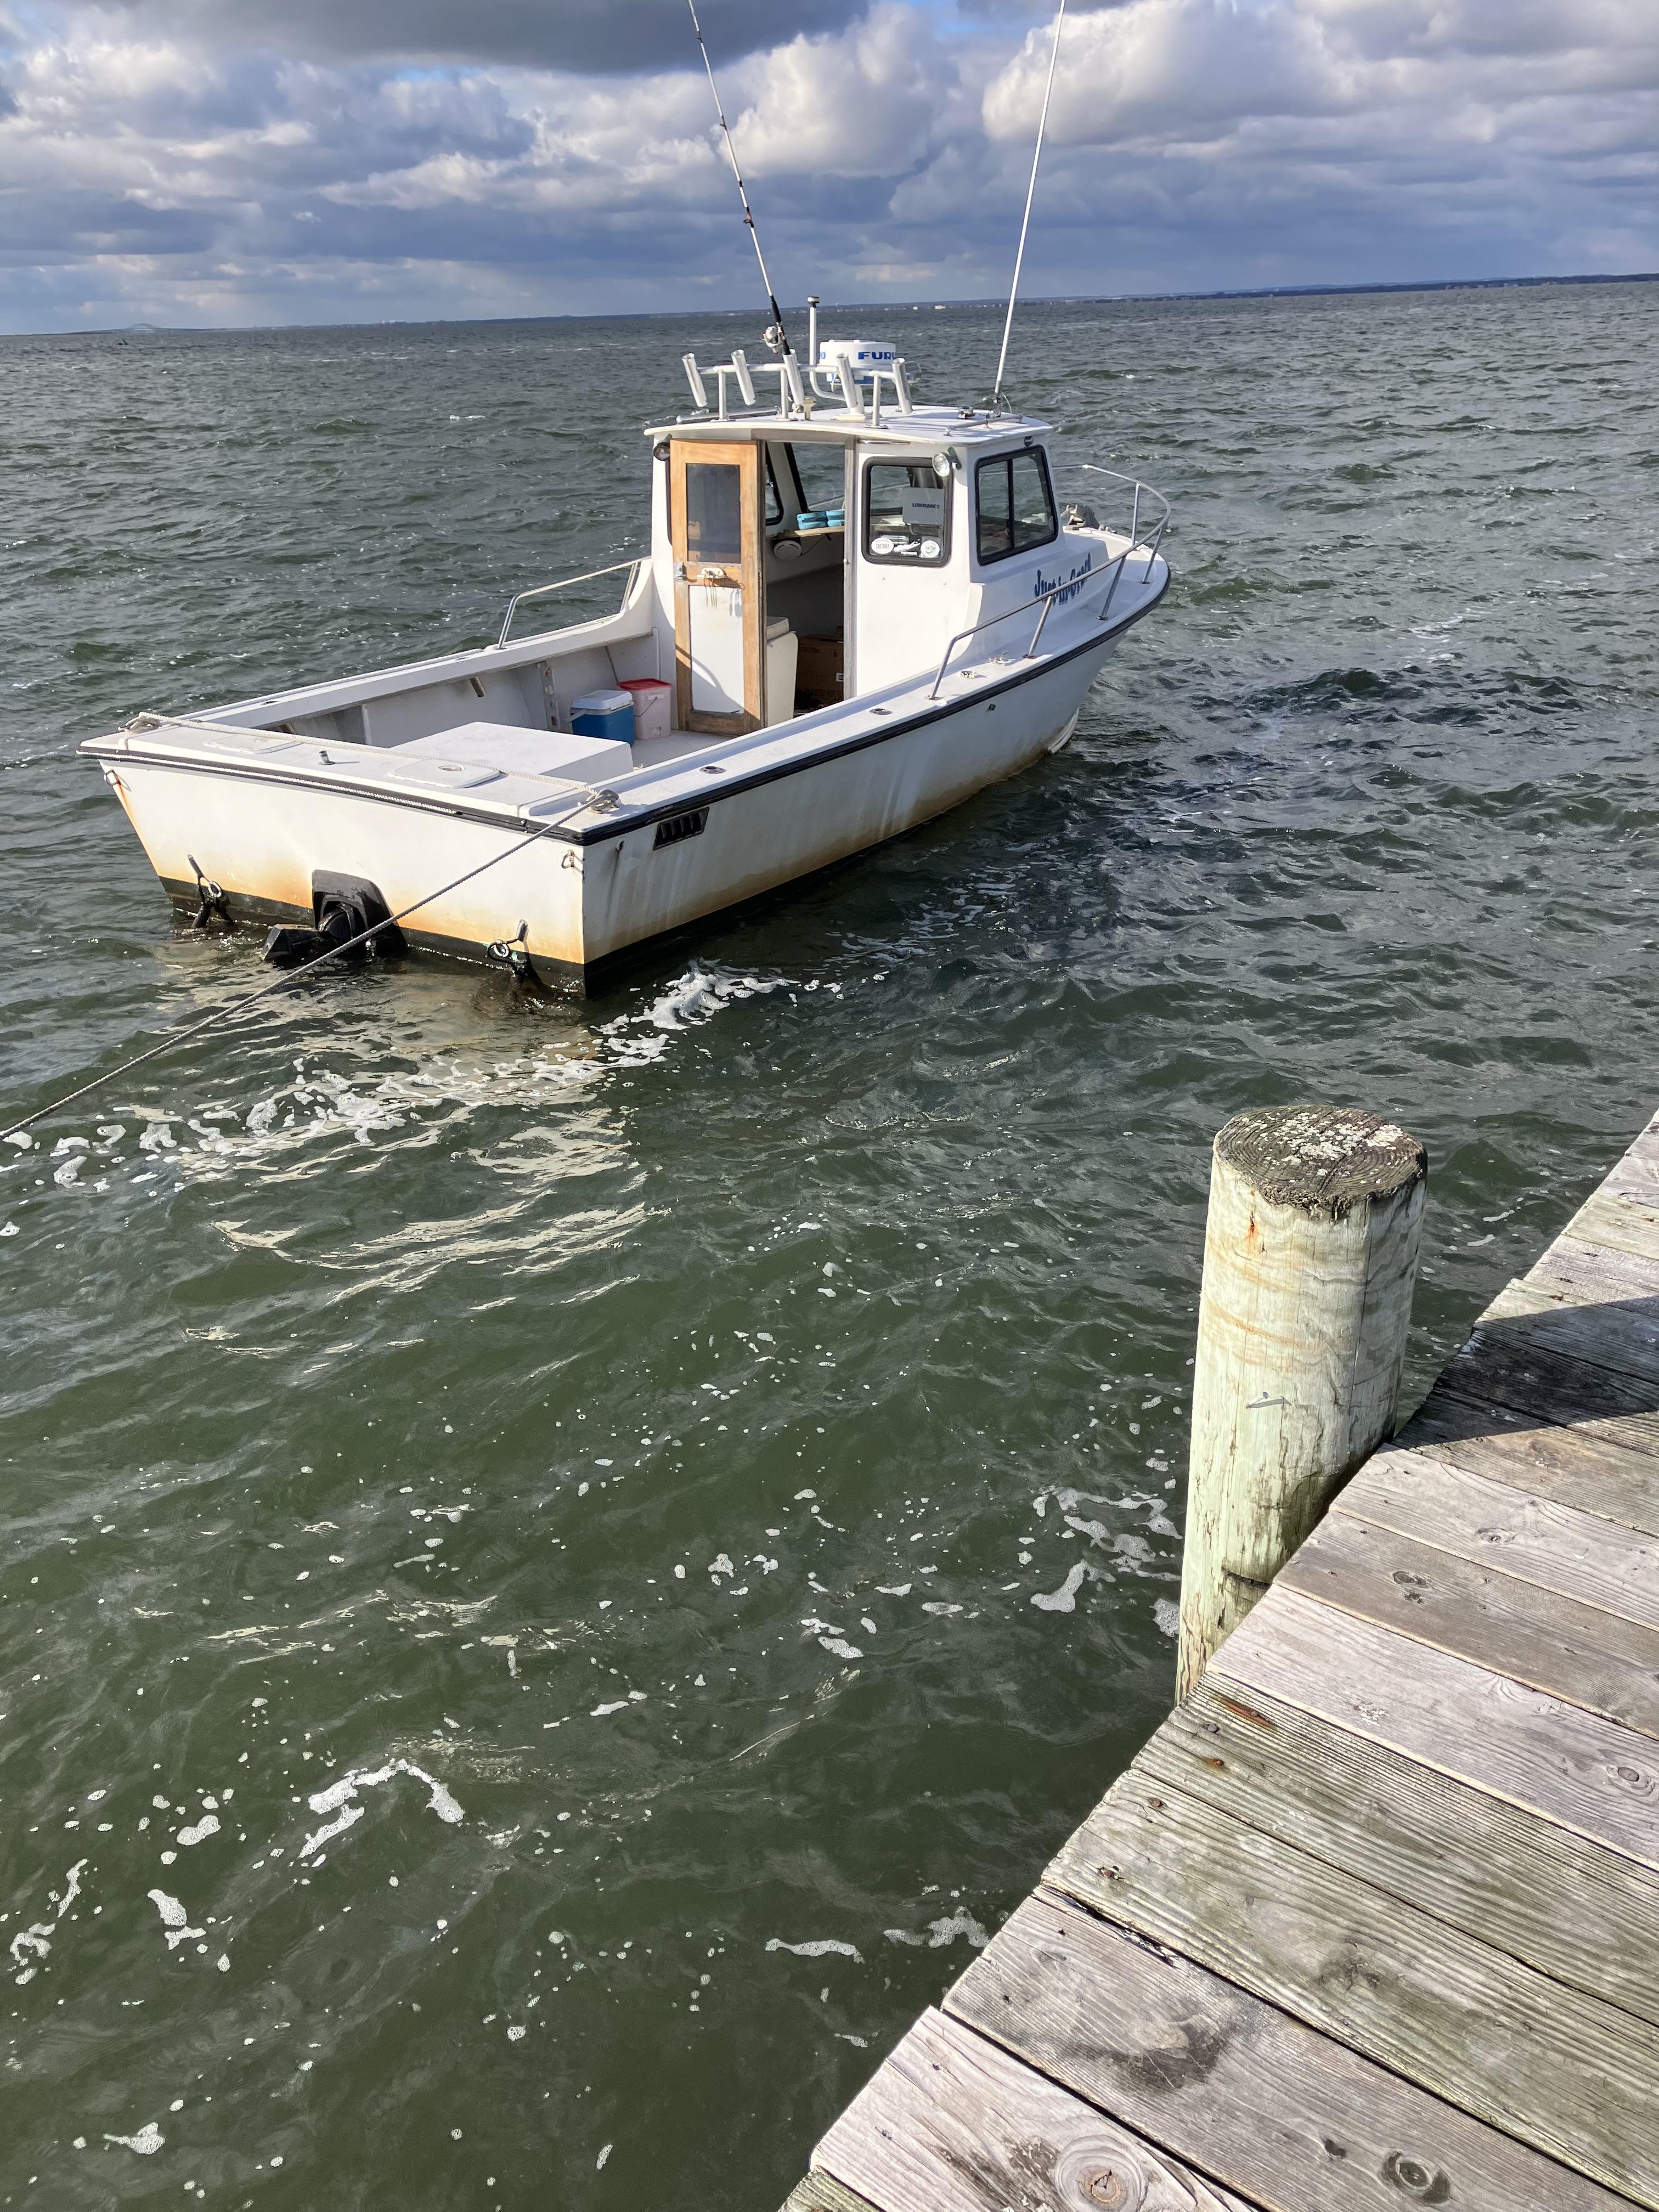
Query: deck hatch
{"x": 679, "y": 827}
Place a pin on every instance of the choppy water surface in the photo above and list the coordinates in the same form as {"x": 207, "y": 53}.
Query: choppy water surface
{"x": 562, "y": 1569}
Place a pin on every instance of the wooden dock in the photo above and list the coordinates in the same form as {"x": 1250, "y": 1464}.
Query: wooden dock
{"x": 1373, "y": 1919}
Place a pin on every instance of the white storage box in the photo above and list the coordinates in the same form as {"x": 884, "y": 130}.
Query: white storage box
{"x": 526, "y": 752}
{"x": 654, "y": 706}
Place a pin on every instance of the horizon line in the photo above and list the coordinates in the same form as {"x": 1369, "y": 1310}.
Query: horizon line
{"x": 144, "y": 327}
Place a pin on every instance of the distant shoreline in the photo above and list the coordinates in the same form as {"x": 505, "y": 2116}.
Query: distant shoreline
{"x": 873, "y": 308}
{"x": 1406, "y": 284}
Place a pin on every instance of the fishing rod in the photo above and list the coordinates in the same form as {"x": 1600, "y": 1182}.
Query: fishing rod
{"x": 743, "y": 189}
{"x": 1031, "y": 194}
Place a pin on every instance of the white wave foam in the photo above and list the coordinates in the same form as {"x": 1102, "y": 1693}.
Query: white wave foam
{"x": 146, "y": 2141}
{"x": 34, "y": 1943}
{"x": 1064, "y": 1600}
{"x": 698, "y": 995}
{"x": 343, "y": 1792}
{"x": 30, "y": 1942}
{"x": 942, "y": 1932}
{"x": 320, "y": 1103}
{"x": 351, "y": 1815}
{"x": 174, "y": 1919}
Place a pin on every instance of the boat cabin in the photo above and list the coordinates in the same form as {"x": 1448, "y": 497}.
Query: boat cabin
{"x": 800, "y": 562}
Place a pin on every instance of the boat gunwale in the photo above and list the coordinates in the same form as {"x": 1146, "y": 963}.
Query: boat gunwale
{"x": 121, "y": 746}
{"x": 467, "y": 660}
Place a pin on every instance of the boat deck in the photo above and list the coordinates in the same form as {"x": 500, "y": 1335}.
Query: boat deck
{"x": 678, "y": 745}
{"x": 1374, "y": 1917}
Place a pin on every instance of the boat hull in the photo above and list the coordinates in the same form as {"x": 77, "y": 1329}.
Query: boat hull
{"x": 773, "y": 832}
{"x": 586, "y": 896}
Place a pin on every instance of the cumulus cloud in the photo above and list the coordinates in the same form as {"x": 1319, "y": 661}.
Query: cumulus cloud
{"x": 200, "y": 161}
{"x": 871, "y": 103}
{"x": 1175, "y": 70}
{"x": 1169, "y": 68}
{"x": 1411, "y": 138}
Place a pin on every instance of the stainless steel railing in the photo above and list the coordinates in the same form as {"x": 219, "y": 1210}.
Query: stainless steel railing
{"x": 1078, "y": 584}
{"x": 1142, "y": 492}
{"x": 540, "y": 590}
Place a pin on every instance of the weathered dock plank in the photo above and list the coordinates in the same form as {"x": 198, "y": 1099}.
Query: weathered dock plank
{"x": 1585, "y": 1265}
{"x": 1283, "y": 2114}
{"x": 1548, "y": 2065}
{"x": 1511, "y": 1530}
{"x": 953, "y": 2123}
{"x": 822, "y": 2192}
{"x": 1579, "y": 1449}
{"x": 1600, "y": 1661}
{"x": 1620, "y": 1220}
{"x": 1619, "y": 1334}
{"x": 1544, "y": 1895}
{"x": 1558, "y": 1762}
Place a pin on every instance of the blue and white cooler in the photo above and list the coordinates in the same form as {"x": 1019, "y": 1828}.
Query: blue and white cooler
{"x": 607, "y": 714}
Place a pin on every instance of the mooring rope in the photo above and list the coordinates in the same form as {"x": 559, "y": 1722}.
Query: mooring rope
{"x": 283, "y": 982}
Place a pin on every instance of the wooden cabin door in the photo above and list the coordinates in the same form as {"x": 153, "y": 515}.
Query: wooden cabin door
{"x": 720, "y": 615}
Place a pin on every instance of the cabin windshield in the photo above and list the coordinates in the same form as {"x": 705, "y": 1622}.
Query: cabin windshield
{"x": 820, "y": 474}
{"x": 1015, "y": 504}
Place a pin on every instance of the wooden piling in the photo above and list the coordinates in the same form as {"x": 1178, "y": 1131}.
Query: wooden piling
{"x": 1310, "y": 1259}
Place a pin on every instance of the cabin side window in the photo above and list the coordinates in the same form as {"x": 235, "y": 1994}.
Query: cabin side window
{"x": 1015, "y": 504}
{"x": 907, "y": 513}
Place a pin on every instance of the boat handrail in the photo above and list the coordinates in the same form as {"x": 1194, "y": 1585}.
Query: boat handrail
{"x": 540, "y": 590}
{"x": 1149, "y": 491}
{"x": 1076, "y": 585}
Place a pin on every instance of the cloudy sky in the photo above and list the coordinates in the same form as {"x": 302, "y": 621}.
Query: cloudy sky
{"x": 235, "y": 162}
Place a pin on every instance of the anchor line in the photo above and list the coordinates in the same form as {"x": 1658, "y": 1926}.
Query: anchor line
{"x": 743, "y": 189}
{"x": 283, "y": 983}
{"x": 1031, "y": 194}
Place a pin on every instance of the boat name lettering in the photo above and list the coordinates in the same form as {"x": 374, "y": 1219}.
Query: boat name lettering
{"x": 1069, "y": 590}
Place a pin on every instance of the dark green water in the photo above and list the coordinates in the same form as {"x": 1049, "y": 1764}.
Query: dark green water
{"x": 658, "y": 1421}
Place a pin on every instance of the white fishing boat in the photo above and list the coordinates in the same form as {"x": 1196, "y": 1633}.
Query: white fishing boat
{"x": 807, "y": 681}
{"x": 856, "y": 613}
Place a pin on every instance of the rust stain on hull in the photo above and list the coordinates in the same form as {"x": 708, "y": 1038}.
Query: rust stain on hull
{"x": 265, "y": 864}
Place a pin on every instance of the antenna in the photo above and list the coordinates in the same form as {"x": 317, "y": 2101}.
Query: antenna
{"x": 1031, "y": 194}
{"x": 742, "y": 190}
